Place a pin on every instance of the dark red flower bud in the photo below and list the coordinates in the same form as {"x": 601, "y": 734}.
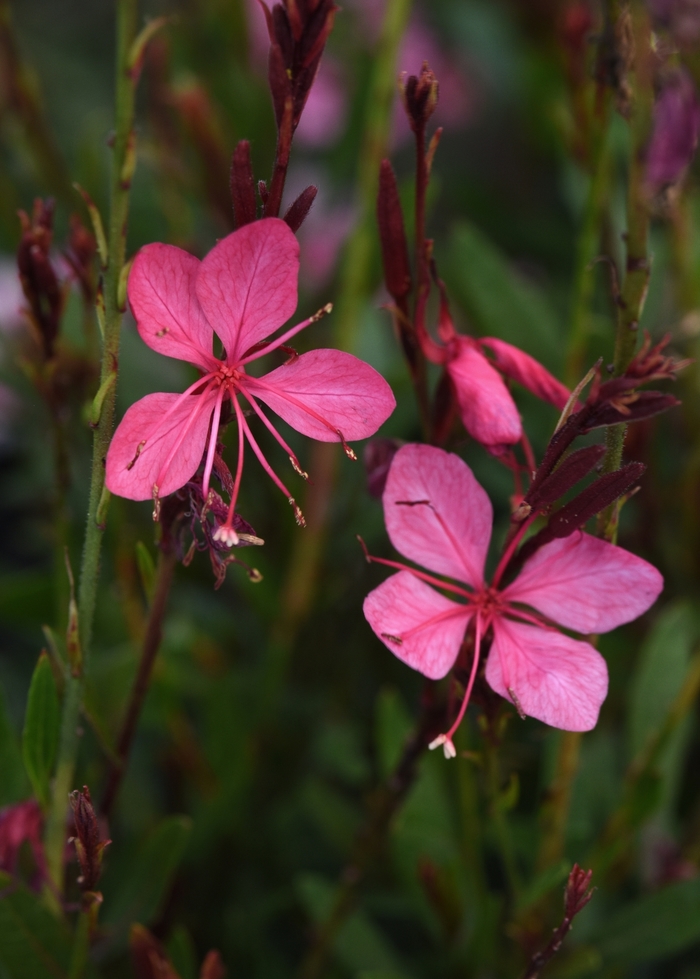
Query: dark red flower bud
{"x": 242, "y": 185}
{"x": 593, "y": 499}
{"x": 420, "y": 97}
{"x": 638, "y": 406}
{"x": 212, "y": 967}
{"x": 578, "y": 891}
{"x": 298, "y": 210}
{"x": 298, "y": 32}
{"x": 559, "y": 482}
{"x": 39, "y": 280}
{"x": 377, "y": 456}
{"x": 392, "y": 234}
{"x": 148, "y": 957}
{"x": 88, "y": 845}
{"x": 675, "y": 131}
{"x": 80, "y": 255}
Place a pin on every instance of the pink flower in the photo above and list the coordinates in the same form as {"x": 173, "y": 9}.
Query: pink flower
{"x": 486, "y": 407}
{"x": 436, "y": 513}
{"x": 243, "y": 290}
{"x": 22, "y": 823}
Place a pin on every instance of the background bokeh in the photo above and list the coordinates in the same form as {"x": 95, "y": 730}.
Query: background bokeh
{"x": 274, "y": 713}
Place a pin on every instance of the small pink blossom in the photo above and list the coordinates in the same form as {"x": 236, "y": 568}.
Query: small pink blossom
{"x": 437, "y": 514}
{"x": 242, "y": 291}
{"x": 486, "y": 407}
{"x": 22, "y": 823}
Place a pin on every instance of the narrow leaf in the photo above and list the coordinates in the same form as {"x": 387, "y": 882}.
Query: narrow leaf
{"x": 147, "y": 569}
{"x": 571, "y": 470}
{"x": 594, "y": 498}
{"x": 41, "y": 729}
{"x": 13, "y": 781}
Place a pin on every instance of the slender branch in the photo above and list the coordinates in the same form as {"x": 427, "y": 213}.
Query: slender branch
{"x": 122, "y": 171}
{"x": 500, "y": 820}
{"x": 383, "y": 806}
{"x": 576, "y": 896}
{"x": 149, "y": 651}
{"x": 637, "y": 266}
{"x": 555, "y": 810}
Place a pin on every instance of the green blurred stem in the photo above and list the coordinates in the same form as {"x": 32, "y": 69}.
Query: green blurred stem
{"x": 500, "y": 819}
{"x": 149, "y": 651}
{"x": 630, "y": 303}
{"x": 618, "y": 834}
{"x": 24, "y": 99}
{"x": 555, "y": 810}
{"x": 81, "y": 944}
{"x": 302, "y": 575}
{"x": 382, "y": 807}
{"x": 122, "y": 172}
{"x": 587, "y": 249}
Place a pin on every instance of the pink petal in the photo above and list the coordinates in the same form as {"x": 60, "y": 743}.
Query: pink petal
{"x": 163, "y": 300}
{"x": 144, "y": 418}
{"x": 485, "y": 405}
{"x": 327, "y": 384}
{"x": 586, "y": 584}
{"x": 559, "y": 680}
{"x": 403, "y": 602}
{"x": 527, "y": 371}
{"x": 450, "y": 531}
{"x": 247, "y": 284}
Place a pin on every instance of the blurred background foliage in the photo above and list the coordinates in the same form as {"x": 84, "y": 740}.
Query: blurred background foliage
{"x": 274, "y": 715}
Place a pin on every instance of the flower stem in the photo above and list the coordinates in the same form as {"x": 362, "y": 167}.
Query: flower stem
{"x": 500, "y": 820}
{"x": 81, "y": 944}
{"x": 122, "y": 171}
{"x": 637, "y": 266}
{"x": 149, "y": 651}
{"x": 555, "y": 810}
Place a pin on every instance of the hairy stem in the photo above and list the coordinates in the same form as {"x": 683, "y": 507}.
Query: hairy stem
{"x": 149, "y": 651}
{"x": 122, "y": 171}
{"x": 637, "y": 264}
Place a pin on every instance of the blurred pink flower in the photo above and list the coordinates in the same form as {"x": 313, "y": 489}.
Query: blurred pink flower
{"x": 675, "y": 131}
{"x": 323, "y": 120}
{"x": 322, "y": 237}
{"x": 22, "y": 823}
{"x": 242, "y": 291}
{"x": 11, "y": 295}
{"x": 437, "y": 514}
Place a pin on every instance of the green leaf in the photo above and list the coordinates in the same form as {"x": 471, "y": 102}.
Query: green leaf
{"x": 13, "y": 781}
{"x": 359, "y": 946}
{"x": 393, "y": 726}
{"x": 145, "y": 884}
{"x": 41, "y": 729}
{"x": 34, "y": 944}
{"x": 500, "y": 301}
{"x": 182, "y": 953}
{"x": 655, "y": 926}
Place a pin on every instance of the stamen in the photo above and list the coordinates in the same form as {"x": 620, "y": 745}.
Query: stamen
{"x": 251, "y": 539}
{"x": 258, "y": 382}
{"x": 226, "y": 532}
{"x": 200, "y": 405}
{"x": 161, "y": 333}
{"x": 156, "y": 503}
{"x": 280, "y": 341}
{"x": 446, "y": 739}
{"x": 516, "y": 702}
{"x": 262, "y": 460}
{"x": 213, "y": 437}
{"x": 139, "y": 449}
{"x": 271, "y": 428}
{"x": 298, "y": 515}
{"x": 350, "y": 453}
{"x": 397, "y": 639}
{"x": 431, "y": 579}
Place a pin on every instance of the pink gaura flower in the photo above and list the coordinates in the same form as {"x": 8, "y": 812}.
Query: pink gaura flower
{"x": 19, "y": 824}
{"x": 437, "y": 514}
{"x": 242, "y": 291}
{"x": 485, "y": 404}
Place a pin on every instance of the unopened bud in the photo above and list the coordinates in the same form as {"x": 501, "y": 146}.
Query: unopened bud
{"x": 392, "y": 234}
{"x": 88, "y": 846}
{"x": 420, "y": 96}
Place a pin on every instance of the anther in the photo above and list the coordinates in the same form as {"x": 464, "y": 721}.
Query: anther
{"x": 156, "y": 503}
{"x": 297, "y": 468}
{"x": 251, "y": 539}
{"x": 513, "y": 696}
{"x": 346, "y": 448}
{"x": 447, "y": 746}
{"x": 255, "y": 576}
{"x": 298, "y": 515}
{"x": 227, "y": 535}
{"x": 395, "y": 639}
{"x": 161, "y": 333}
{"x": 139, "y": 449}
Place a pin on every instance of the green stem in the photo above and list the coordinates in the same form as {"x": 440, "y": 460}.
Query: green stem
{"x": 637, "y": 265}
{"x": 586, "y": 250}
{"x": 123, "y": 166}
{"x": 81, "y": 944}
{"x": 500, "y": 820}
{"x": 555, "y": 811}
